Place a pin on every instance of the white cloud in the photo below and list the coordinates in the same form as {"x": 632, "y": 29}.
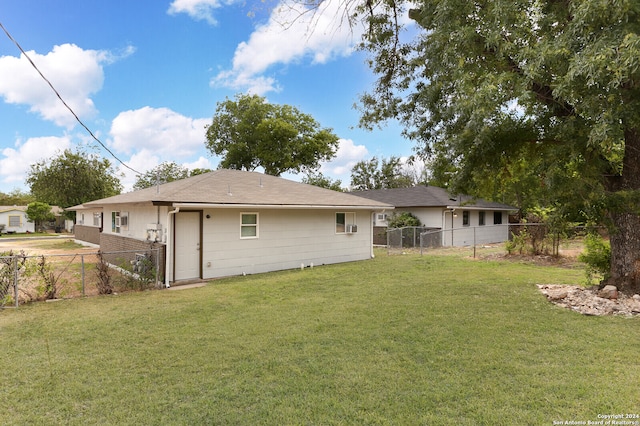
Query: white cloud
{"x": 142, "y": 161}
{"x": 200, "y": 163}
{"x": 161, "y": 131}
{"x": 292, "y": 34}
{"x": 75, "y": 73}
{"x": 347, "y": 156}
{"x": 145, "y": 160}
{"x": 200, "y": 10}
{"x": 16, "y": 162}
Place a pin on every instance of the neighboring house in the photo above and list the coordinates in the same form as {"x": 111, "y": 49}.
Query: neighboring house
{"x": 231, "y": 222}
{"x": 466, "y": 218}
{"x": 14, "y": 219}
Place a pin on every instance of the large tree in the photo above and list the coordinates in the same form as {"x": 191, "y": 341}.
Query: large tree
{"x": 248, "y": 132}
{"x": 376, "y": 174}
{"x": 167, "y": 171}
{"x": 546, "y": 88}
{"x": 162, "y": 173}
{"x": 72, "y": 178}
{"x": 15, "y": 198}
{"x": 318, "y": 179}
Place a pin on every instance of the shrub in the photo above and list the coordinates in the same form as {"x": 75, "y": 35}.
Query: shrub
{"x": 597, "y": 257}
{"x": 105, "y": 284}
{"x": 403, "y": 219}
{"x": 138, "y": 274}
{"x": 518, "y": 242}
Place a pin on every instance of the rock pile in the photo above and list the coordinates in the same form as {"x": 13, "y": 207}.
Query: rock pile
{"x": 591, "y": 301}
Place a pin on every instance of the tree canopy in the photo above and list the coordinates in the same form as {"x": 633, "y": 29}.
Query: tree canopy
{"x": 318, "y": 179}
{"x": 544, "y": 94}
{"x": 248, "y": 132}
{"x": 72, "y": 178}
{"x": 15, "y": 198}
{"x": 39, "y": 212}
{"x": 167, "y": 171}
{"x": 377, "y": 174}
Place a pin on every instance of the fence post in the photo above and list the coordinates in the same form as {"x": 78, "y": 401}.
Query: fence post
{"x": 157, "y": 250}
{"x": 15, "y": 279}
{"x": 82, "y": 271}
{"x": 474, "y": 242}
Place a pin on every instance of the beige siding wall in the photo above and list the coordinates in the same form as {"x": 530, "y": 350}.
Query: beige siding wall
{"x": 138, "y": 219}
{"x": 430, "y": 218}
{"x": 287, "y": 239}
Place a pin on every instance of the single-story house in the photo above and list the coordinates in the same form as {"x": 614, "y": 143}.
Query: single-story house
{"x": 463, "y": 219}
{"x": 14, "y": 219}
{"x": 231, "y": 222}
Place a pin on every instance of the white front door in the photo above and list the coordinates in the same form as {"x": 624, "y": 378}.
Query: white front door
{"x": 187, "y": 245}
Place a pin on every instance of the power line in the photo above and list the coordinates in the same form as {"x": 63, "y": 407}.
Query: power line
{"x": 63, "y": 101}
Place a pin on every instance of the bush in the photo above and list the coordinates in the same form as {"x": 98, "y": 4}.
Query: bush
{"x": 402, "y": 220}
{"x": 597, "y": 257}
{"x": 518, "y": 242}
{"x": 103, "y": 273}
{"x": 138, "y": 274}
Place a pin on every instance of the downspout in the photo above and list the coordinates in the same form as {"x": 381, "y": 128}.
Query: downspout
{"x": 169, "y": 260}
{"x": 373, "y": 221}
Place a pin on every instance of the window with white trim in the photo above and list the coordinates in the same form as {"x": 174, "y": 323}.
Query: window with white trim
{"x": 465, "y": 218}
{"x": 248, "y": 225}
{"x": 96, "y": 219}
{"x": 119, "y": 222}
{"x": 15, "y": 221}
{"x": 343, "y": 219}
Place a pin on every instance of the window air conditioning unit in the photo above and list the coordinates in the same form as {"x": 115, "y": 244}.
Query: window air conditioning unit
{"x": 352, "y": 229}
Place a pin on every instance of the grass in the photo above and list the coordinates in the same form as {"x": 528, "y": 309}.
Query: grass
{"x": 410, "y": 339}
{"x": 48, "y": 244}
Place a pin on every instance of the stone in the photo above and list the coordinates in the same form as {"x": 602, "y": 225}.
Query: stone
{"x": 587, "y": 301}
{"x": 609, "y": 292}
{"x": 557, "y": 294}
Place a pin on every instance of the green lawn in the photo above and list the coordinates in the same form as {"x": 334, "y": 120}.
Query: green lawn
{"x": 402, "y": 340}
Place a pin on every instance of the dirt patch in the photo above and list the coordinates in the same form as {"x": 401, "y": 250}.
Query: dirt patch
{"x": 44, "y": 246}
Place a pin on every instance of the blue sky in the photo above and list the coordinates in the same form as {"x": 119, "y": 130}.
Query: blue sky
{"x": 145, "y": 76}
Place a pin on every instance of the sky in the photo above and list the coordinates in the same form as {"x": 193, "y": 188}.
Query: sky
{"x": 145, "y": 77}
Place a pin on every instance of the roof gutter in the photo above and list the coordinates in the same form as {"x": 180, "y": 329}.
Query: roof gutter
{"x": 278, "y": 206}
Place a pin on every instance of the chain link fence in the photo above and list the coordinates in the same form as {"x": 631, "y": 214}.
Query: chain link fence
{"x": 536, "y": 237}
{"x": 25, "y": 278}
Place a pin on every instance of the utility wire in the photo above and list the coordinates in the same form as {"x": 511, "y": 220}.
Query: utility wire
{"x": 63, "y": 102}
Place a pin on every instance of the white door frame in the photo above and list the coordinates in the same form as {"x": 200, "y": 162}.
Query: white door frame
{"x": 195, "y": 234}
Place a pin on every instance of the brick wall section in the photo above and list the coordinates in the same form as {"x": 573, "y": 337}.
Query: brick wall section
{"x": 90, "y": 234}
{"x": 380, "y": 235}
{"x": 114, "y": 243}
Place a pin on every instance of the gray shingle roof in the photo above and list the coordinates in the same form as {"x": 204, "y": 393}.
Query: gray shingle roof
{"x": 228, "y": 187}
{"x": 428, "y": 196}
